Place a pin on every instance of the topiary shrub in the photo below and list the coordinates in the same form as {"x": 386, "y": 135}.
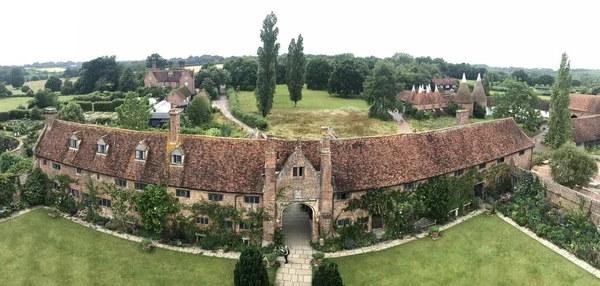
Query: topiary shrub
{"x": 250, "y": 270}
{"x": 478, "y": 111}
{"x": 327, "y": 275}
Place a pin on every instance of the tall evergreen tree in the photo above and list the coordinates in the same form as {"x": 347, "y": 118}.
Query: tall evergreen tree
{"x": 380, "y": 90}
{"x": 559, "y": 125}
{"x": 250, "y": 270}
{"x": 328, "y": 275}
{"x": 267, "y": 65}
{"x": 16, "y": 78}
{"x": 296, "y": 67}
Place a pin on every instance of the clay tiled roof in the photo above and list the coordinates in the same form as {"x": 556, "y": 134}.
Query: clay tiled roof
{"x": 478, "y": 92}
{"x": 463, "y": 95}
{"x": 586, "y": 129}
{"x": 421, "y": 98}
{"x": 585, "y": 102}
{"x": 444, "y": 81}
{"x": 182, "y": 92}
{"x": 366, "y": 163}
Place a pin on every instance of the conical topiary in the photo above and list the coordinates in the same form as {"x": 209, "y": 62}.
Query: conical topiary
{"x": 327, "y": 275}
{"x": 250, "y": 270}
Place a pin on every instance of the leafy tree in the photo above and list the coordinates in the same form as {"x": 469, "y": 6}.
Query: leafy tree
{"x": 327, "y": 275}
{"x": 7, "y": 160}
{"x": 121, "y": 201}
{"x": 243, "y": 73}
{"x": 571, "y": 166}
{"x": 545, "y": 79}
{"x": 67, "y": 88}
{"x": 134, "y": 113}
{"x": 267, "y": 65}
{"x": 44, "y": 98}
{"x": 347, "y": 77}
{"x": 487, "y": 83}
{"x": 25, "y": 88}
{"x": 17, "y": 79}
{"x": 296, "y": 67}
{"x": 161, "y": 62}
{"x": 281, "y": 70}
{"x": 54, "y": 83}
{"x": 70, "y": 72}
{"x": 71, "y": 112}
{"x": 517, "y": 102}
{"x": 199, "y": 112}
{"x": 98, "y": 75}
{"x": 521, "y": 75}
{"x": 4, "y": 92}
{"x": 439, "y": 198}
{"x": 35, "y": 188}
{"x": 250, "y": 270}
{"x": 91, "y": 202}
{"x": 559, "y": 124}
{"x": 380, "y": 90}
{"x": 318, "y": 71}
{"x": 218, "y": 76}
{"x": 127, "y": 81}
{"x": 478, "y": 111}
{"x": 7, "y": 189}
{"x": 209, "y": 85}
{"x": 154, "y": 206}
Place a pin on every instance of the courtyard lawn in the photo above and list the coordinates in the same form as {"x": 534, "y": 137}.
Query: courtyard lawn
{"x": 439, "y": 123}
{"x": 347, "y": 116}
{"x": 38, "y": 250}
{"x": 481, "y": 251}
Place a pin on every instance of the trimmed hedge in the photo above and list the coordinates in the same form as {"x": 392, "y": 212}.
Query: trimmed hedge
{"x": 92, "y": 98}
{"x": 118, "y": 102}
{"x": 104, "y": 106}
{"x": 251, "y": 120}
{"x": 86, "y": 105}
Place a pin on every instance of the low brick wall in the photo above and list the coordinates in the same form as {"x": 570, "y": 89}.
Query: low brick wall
{"x": 567, "y": 198}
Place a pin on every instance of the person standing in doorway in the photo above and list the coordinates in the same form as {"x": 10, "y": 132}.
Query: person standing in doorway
{"x": 286, "y": 252}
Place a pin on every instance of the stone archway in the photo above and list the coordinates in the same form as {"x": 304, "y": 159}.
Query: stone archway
{"x": 299, "y": 223}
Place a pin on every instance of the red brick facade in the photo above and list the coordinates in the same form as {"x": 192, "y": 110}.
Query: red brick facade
{"x": 171, "y": 77}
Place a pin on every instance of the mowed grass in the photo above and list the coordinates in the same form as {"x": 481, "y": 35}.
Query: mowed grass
{"x": 481, "y": 251}
{"x": 38, "y": 250}
{"x": 348, "y": 117}
{"x": 10, "y": 103}
{"x": 439, "y": 123}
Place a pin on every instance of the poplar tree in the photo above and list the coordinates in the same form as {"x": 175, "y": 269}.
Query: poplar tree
{"x": 267, "y": 65}
{"x": 559, "y": 125}
{"x": 296, "y": 67}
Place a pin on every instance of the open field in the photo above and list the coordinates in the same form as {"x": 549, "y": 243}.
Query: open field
{"x": 197, "y": 68}
{"x": 10, "y": 103}
{"x": 439, "y": 123}
{"x": 51, "y": 70}
{"x": 348, "y": 117}
{"x": 481, "y": 251}
{"x": 38, "y": 250}
{"x": 34, "y": 85}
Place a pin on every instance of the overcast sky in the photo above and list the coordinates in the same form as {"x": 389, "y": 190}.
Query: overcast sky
{"x": 505, "y": 33}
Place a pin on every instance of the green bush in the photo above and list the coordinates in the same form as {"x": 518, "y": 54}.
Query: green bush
{"x": 327, "y": 274}
{"x": 478, "y": 111}
{"x": 250, "y": 270}
{"x": 146, "y": 245}
{"x": 106, "y": 106}
{"x": 252, "y": 120}
{"x": 86, "y": 105}
{"x": 117, "y": 102}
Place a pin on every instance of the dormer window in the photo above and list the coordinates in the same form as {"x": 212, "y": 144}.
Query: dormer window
{"x": 177, "y": 157}
{"x": 74, "y": 142}
{"x": 140, "y": 152}
{"x": 298, "y": 171}
{"x": 101, "y": 147}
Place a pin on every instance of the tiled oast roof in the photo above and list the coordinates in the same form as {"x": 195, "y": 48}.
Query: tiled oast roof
{"x": 585, "y": 102}
{"x": 421, "y": 98}
{"x": 586, "y": 129}
{"x": 237, "y": 165}
{"x": 444, "y": 81}
{"x": 478, "y": 92}
{"x": 366, "y": 163}
{"x": 463, "y": 95}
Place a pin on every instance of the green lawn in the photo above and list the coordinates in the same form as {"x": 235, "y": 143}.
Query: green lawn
{"x": 34, "y": 85}
{"x": 38, "y": 250}
{"x": 10, "y": 103}
{"x": 439, "y": 123}
{"x": 348, "y": 117}
{"x": 481, "y": 251}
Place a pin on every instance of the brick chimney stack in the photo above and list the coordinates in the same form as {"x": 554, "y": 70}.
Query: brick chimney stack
{"x": 153, "y": 65}
{"x": 174, "y": 125}
{"x": 181, "y": 64}
{"x": 462, "y": 117}
{"x": 170, "y": 65}
{"x": 326, "y": 201}
{"x": 270, "y": 190}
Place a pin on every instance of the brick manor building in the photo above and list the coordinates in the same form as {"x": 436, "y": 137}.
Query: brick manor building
{"x": 320, "y": 174}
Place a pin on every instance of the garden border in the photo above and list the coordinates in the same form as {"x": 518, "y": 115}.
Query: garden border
{"x": 396, "y": 242}
{"x": 562, "y": 252}
{"x": 19, "y": 213}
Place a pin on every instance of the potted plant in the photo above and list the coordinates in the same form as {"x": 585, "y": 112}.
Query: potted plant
{"x": 490, "y": 209}
{"x": 434, "y": 231}
{"x": 318, "y": 257}
{"x": 271, "y": 258}
{"x": 147, "y": 245}
{"x": 53, "y": 212}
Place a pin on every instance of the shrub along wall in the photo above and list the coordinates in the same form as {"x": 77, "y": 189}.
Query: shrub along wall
{"x": 251, "y": 120}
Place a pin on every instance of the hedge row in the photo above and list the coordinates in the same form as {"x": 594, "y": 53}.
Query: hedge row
{"x": 106, "y": 106}
{"x": 35, "y": 114}
{"x": 251, "y": 120}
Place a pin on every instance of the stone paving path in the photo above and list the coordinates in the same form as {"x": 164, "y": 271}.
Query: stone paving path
{"x": 562, "y": 252}
{"x": 403, "y": 126}
{"x": 297, "y": 229}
